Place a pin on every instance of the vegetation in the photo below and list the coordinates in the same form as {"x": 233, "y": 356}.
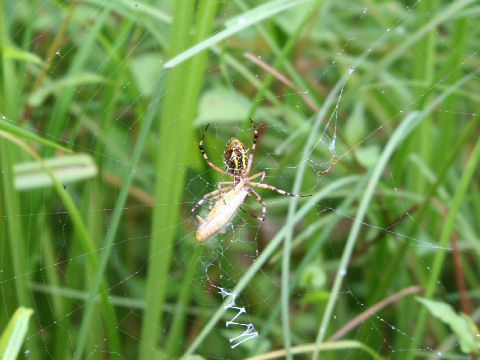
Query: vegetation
{"x": 371, "y": 107}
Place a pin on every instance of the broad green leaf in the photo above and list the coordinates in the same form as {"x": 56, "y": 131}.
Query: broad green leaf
{"x": 457, "y": 323}
{"x": 313, "y": 277}
{"x": 145, "y": 68}
{"x": 220, "y": 104}
{"x": 14, "y": 334}
{"x": 368, "y": 155}
{"x": 67, "y": 169}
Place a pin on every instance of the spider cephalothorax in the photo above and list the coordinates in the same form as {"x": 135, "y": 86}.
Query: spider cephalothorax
{"x": 231, "y": 197}
{"x": 235, "y": 156}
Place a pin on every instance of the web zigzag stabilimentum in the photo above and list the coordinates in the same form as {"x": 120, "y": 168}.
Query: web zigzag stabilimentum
{"x": 250, "y": 332}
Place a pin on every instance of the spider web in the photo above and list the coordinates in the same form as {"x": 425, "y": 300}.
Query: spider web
{"x": 352, "y": 135}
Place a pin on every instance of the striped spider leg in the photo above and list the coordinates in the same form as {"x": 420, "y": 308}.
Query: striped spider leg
{"x": 269, "y": 187}
{"x": 214, "y": 193}
{"x": 264, "y": 207}
{"x": 204, "y": 154}
{"x": 280, "y": 191}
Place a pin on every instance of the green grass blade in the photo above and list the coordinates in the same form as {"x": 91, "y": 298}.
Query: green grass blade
{"x": 419, "y": 215}
{"x": 314, "y": 250}
{"x": 77, "y": 221}
{"x": 25, "y": 134}
{"x": 447, "y": 229}
{"x": 12, "y": 337}
{"x": 308, "y": 348}
{"x": 180, "y": 103}
{"x": 176, "y": 331}
{"x": 313, "y": 135}
{"x": 17, "y": 54}
{"x": 111, "y": 232}
{"x": 283, "y": 54}
{"x": 247, "y": 19}
{"x": 448, "y": 12}
{"x": 407, "y": 125}
{"x": 63, "y": 103}
{"x": 273, "y": 244}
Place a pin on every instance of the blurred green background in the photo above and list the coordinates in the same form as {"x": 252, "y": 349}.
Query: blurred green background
{"x": 102, "y": 106}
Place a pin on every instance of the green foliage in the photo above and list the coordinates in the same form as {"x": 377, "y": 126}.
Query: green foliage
{"x": 221, "y": 105}
{"x": 13, "y": 335}
{"x": 457, "y": 323}
{"x": 382, "y": 94}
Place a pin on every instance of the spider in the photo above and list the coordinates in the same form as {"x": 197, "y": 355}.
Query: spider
{"x": 232, "y": 196}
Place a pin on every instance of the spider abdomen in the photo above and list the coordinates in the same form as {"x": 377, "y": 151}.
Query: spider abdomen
{"x": 235, "y": 156}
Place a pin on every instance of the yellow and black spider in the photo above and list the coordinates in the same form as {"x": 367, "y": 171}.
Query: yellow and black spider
{"x": 232, "y": 196}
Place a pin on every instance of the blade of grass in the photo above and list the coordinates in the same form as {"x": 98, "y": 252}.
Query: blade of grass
{"x": 54, "y": 46}
{"x": 282, "y": 56}
{"x": 13, "y": 241}
{"x": 175, "y": 336}
{"x": 14, "y": 237}
{"x": 77, "y": 221}
{"x": 180, "y": 103}
{"x": 421, "y": 213}
{"x": 309, "y": 144}
{"x": 269, "y": 39}
{"x": 448, "y": 12}
{"x": 38, "y": 97}
{"x": 61, "y": 109}
{"x": 112, "y": 231}
{"x": 60, "y": 117}
{"x": 308, "y": 348}
{"x": 244, "y": 21}
{"x": 52, "y": 276}
{"x": 407, "y": 125}
{"x": 265, "y": 255}
{"x": 12, "y": 337}
{"x": 26, "y": 134}
{"x": 447, "y": 229}
{"x": 314, "y": 250}
{"x": 423, "y": 70}
{"x": 459, "y": 40}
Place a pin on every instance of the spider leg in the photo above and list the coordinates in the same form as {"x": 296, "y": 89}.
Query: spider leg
{"x": 209, "y": 195}
{"x": 254, "y": 216}
{"x": 273, "y": 188}
{"x": 225, "y": 183}
{"x": 260, "y": 200}
{"x": 254, "y": 145}
{"x": 204, "y": 154}
{"x": 262, "y": 174}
